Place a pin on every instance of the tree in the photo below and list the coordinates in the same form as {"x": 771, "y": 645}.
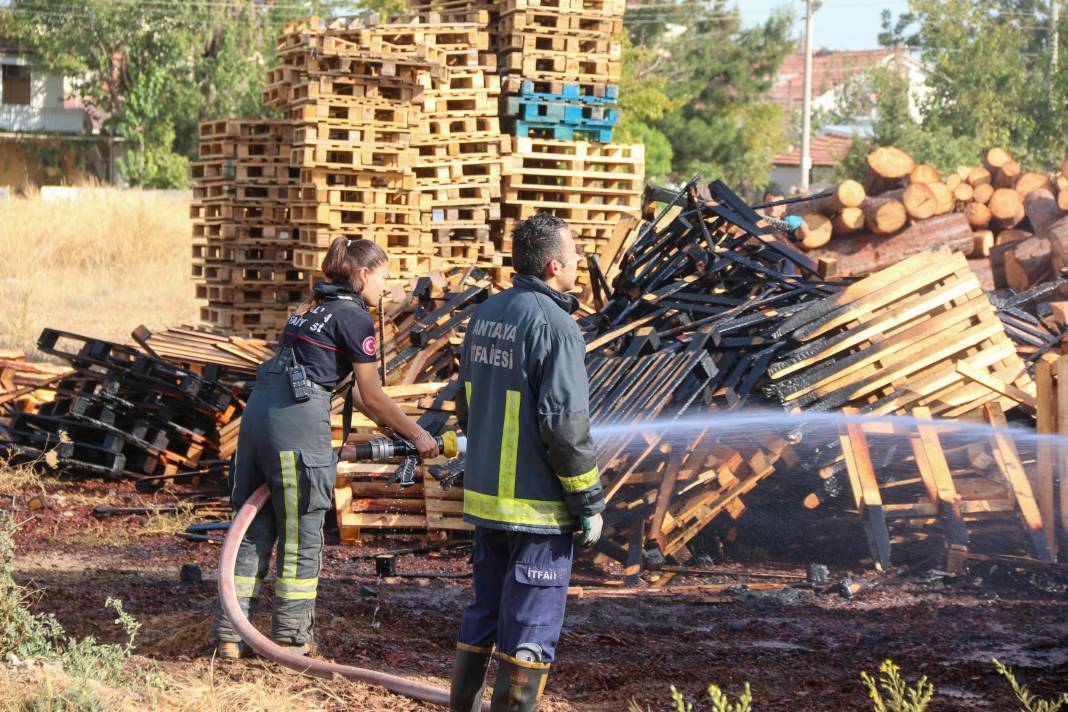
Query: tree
{"x": 717, "y": 74}
{"x": 151, "y": 70}
{"x": 990, "y": 76}
{"x": 643, "y": 100}
{"x": 881, "y": 94}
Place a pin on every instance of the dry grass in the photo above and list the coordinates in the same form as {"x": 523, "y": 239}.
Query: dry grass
{"x": 97, "y": 264}
{"x": 20, "y": 478}
{"x": 202, "y": 687}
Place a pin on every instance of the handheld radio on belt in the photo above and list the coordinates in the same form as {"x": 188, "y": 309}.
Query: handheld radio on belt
{"x": 299, "y": 383}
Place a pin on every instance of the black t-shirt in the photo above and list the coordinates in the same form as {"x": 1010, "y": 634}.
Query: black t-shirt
{"x": 329, "y": 337}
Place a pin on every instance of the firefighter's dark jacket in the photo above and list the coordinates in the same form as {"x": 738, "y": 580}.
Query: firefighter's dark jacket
{"x": 530, "y": 459}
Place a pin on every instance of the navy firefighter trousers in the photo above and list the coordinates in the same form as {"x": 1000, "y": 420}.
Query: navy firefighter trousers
{"x": 520, "y": 592}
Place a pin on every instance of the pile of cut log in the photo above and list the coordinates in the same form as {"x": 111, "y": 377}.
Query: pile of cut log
{"x": 995, "y": 210}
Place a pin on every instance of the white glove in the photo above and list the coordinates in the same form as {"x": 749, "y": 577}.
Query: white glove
{"x": 591, "y": 531}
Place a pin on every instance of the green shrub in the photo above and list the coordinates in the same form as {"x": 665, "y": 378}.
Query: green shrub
{"x": 899, "y": 696}
{"x": 1029, "y": 701}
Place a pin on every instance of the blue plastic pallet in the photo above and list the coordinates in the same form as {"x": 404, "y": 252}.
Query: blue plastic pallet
{"x": 561, "y": 112}
{"x": 562, "y": 132}
{"x": 572, "y": 93}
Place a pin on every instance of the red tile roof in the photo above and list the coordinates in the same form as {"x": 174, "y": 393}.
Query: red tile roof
{"x": 825, "y": 151}
{"x": 829, "y": 69}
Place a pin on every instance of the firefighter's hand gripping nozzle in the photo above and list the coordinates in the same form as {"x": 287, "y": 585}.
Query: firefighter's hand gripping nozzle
{"x": 385, "y": 449}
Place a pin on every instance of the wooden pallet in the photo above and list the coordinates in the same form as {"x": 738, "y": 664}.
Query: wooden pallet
{"x": 604, "y": 7}
{"x": 562, "y": 67}
{"x": 1051, "y": 470}
{"x": 589, "y": 25}
{"x": 894, "y": 341}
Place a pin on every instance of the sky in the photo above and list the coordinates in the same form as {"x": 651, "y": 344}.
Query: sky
{"x": 838, "y": 24}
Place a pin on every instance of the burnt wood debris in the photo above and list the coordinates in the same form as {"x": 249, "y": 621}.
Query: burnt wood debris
{"x": 696, "y": 311}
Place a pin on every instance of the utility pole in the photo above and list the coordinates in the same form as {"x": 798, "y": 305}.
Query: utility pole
{"x": 806, "y": 102}
{"x": 1054, "y": 37}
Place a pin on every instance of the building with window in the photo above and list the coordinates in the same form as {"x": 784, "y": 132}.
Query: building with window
{"x": 46, "y": 137}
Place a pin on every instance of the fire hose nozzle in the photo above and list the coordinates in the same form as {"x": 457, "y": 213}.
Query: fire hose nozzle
{"x": 385, "y": 449}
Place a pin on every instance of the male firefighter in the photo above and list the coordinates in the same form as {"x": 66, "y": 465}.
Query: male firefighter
{"x": 531, "y": 480}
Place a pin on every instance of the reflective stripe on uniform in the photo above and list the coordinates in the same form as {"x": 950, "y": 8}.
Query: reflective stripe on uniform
{"x": 292, "y": 524}
{"x": 247, "y": 586}
{"x": 295, "y": 588}
{"x": 509, "y": 446}
{"x": 516, "y": 511}
{"x": 581, "y": 482}
{"x": 467, "y": 391}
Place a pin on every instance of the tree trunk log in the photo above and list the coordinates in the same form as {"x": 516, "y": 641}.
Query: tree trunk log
{"x": 1041, "y": 209}
{"x": 1006, "y": 176}
{"x": 1028, "y": 182}
{"x": 815, "y": 232}
{"x": 919, "y": 201}
{"x": 924, "y": 173}
{"x": 884, "y": 216}
{"x": 847, "y": 194}
{"x": 865, "y": 252}
{"x": 963, "y": 193}
{"x": 1012, "y": 235}
{"x": 997, "y": 262}
{"x": 887, "y": 168}
{"x": 849, "y": 221}
{"x": 1027, "y": 263}
{"x": 996, "y": 158}
{"x": 982, "y": 193}
{"x": 1058, "y": 238}
{"x": 1006, "y": 208}
{"x": 984, "y": 242}
{"x": 944, "y": 199}
{"x": 979, "y": 176}
{"x": 977, "y": 215}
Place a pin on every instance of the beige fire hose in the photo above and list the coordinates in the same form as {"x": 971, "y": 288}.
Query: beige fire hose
{"x": 265, "y": 647}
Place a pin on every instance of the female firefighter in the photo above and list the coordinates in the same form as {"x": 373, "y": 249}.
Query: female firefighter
{"x": 285, "y": 439}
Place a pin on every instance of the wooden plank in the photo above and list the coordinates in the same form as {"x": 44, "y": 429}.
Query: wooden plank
{"x": 934, "y": 460}
{"x": 663, "y": 499}
{"x": 614, "y": 334}
{"x": 1061, "y": 373}
{"x": 997, "y": 385}
{"x": 1008, "y": 460}
{"x": 1046, "y": 426}
{"x": 870, "y": 498}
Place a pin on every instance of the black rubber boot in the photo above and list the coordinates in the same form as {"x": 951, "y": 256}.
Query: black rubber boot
{"x": 519, "y": 685}
{"x": 468, "y": 680}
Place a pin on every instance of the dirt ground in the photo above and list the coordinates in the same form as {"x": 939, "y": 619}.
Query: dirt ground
{"x": 799, "y": 650}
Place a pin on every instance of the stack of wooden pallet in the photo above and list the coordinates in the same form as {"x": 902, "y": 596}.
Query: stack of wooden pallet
{"x": 351, "y": 103}
{"x": 121, "y": 413}
{"x": 243, "y": 240}
{"x": 592, "y": 186}
{"x": 561, "y": 63}
{"x": 455, "y": 130}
